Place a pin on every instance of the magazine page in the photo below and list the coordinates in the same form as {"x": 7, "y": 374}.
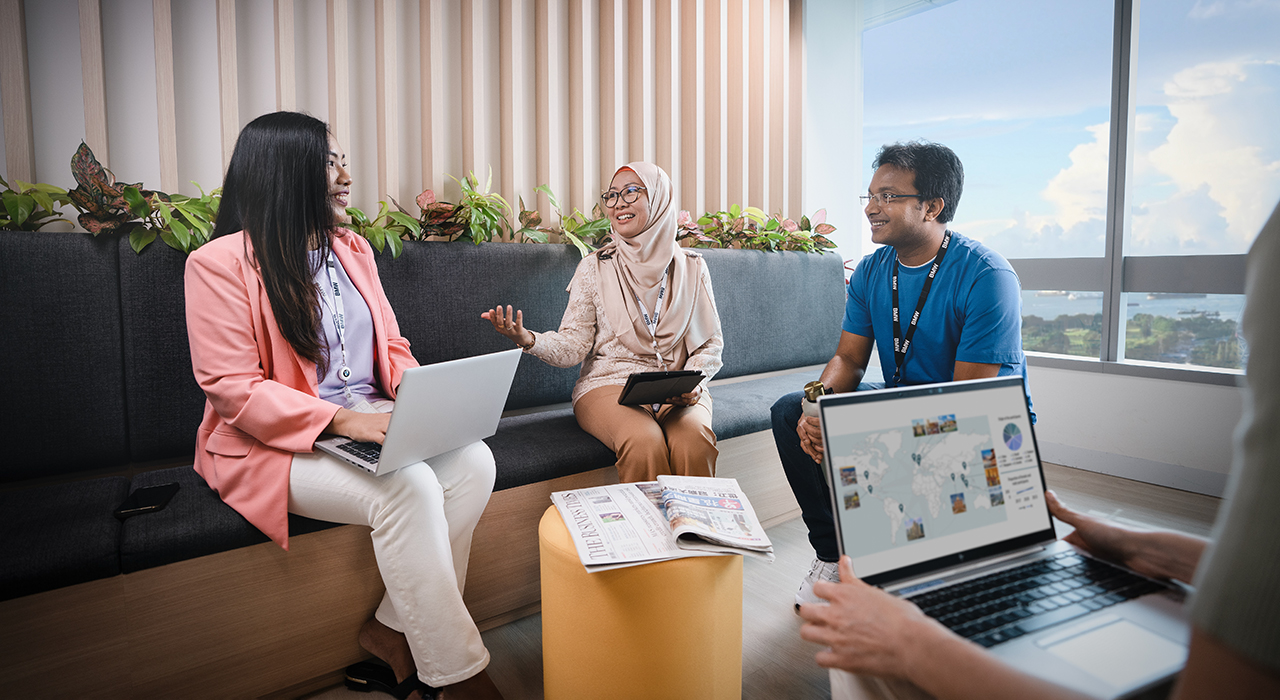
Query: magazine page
{"x": 709, "y": 513}
{"x": 619, "y": 525}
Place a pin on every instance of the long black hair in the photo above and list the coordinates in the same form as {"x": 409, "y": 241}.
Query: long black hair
{"x": 277, "y": 191}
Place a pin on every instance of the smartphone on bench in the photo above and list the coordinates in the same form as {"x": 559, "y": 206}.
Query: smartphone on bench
{"x": 147, "y": 499}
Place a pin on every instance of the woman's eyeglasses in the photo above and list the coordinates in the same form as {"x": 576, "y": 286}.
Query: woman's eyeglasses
{"x": 629, "y": 195}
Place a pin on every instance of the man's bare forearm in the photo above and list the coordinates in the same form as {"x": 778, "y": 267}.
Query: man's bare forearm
{"x": 842, "y": 375}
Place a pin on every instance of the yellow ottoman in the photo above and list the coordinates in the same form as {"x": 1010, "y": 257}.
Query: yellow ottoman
{"x": 671, "y": 629}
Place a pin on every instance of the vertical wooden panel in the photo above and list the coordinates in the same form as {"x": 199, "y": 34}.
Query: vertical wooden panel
{"x": 228, "y": 82}
{"x": 94, "y": 80}
{"x": 639, "y": 81}
{"x": 339, "y": 71}
{"x": 580, "y": 165}
{"x": 756, "y": 90}
{"x": 166, "y": 107}
{"x": 431, "y": 102}
{"x": 777, "y": 101}
{"x": 690, "y": 114}
{"x": 470, "y": 71}
{"x": 612, "y": 109}
{"x": 665, "y": 42}
{"x": 735, "y": 122}
{"x": 507, "y": 76}
{"x": 286, "y": 57}
{"x": 387, "y": 98}
{"x": 714, "y": 71}
{"x": 795, "y": 102}
{"x": 15, "y": 89}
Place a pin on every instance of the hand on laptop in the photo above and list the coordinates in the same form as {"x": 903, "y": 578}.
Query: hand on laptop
{"x": 810, "y": 430}
{"x": 1161, "y": 555}
{"x": 867, "y": 630}
{"x": 365, "y": 427}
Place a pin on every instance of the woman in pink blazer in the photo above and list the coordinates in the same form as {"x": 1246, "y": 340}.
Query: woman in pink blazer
{"x": 291, "y": 335}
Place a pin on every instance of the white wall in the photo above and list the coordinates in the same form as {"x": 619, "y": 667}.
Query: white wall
{"x": 1172, "y": 433}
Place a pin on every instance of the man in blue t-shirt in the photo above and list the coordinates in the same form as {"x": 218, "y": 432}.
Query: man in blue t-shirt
{"x": 959, "y": 311}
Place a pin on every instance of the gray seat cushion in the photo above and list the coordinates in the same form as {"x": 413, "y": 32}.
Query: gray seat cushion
{"x": 196, "y": 523}
{"x": 743, "y": 407}
{"x": 545, "y": 445}
{"x": 60, "y": 535}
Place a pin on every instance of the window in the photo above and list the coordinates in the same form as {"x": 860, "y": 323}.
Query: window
{"x": 1123, "y": 172}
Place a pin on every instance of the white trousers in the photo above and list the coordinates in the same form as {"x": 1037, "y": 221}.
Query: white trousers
{"x": 422, "y": 518}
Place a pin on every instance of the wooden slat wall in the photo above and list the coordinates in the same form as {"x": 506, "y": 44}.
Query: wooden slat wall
{"x": 560, "y": 92}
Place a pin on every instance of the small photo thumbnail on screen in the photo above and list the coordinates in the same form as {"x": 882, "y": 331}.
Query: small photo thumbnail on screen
{"x": 957, "y": 504}
{"x": 852, "y": 501}
{"x": 997, "y": 496}
{"x": 849, "y": 476}
{"x": 915, "y": 529}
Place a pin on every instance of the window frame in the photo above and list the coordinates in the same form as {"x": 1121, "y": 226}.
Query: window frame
{"x": 1114, "y": 273}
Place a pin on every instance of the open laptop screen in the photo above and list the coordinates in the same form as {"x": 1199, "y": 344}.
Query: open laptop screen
{"x": 933, "y": 476}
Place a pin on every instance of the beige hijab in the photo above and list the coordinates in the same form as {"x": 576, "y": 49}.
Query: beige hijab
{"x": 628, "y": 268}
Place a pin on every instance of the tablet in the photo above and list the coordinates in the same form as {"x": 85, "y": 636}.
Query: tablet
{"x": 655, "y": 387}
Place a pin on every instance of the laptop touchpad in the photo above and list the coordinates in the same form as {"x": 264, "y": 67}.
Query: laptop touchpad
{"x": 1121, "y": 654}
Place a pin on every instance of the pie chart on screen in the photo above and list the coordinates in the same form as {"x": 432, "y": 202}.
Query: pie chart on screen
{"x": 1012, "y": 437}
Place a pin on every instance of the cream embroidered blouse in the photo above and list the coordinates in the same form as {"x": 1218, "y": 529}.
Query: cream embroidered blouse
{"x": 585, "y": 336}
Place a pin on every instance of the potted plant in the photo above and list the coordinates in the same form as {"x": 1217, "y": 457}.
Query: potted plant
{"x": 31, "y": 207}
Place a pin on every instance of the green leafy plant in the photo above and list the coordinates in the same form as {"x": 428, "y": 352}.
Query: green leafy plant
{"x": 586, "y": 234}
{"x": 183, "y": 223}
{"x": 31, "y": 207}
{"x": 486, "y": 215}
{"x": 387, "y": 229}
{"x": 751, "y": 228}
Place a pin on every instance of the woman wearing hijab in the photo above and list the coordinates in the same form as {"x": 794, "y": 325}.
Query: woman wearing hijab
{"x": 641, "y": 303}
{"x": 291, "y": 336}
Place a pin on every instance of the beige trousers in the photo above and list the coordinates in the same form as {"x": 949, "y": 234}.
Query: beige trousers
{"x": 676, "y": 440}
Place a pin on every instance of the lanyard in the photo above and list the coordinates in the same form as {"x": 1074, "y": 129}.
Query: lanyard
{"x": 652, "y": 324}
{"x": 339, "y": 323}
{"x": 902, "y": 344}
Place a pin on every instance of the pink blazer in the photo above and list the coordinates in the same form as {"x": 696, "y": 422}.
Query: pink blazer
{"x": 263, "y": 405}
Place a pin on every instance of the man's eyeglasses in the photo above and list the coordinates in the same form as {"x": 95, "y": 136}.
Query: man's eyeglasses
{"x": 629, "y": 195}
{"x": 883, "y": 198}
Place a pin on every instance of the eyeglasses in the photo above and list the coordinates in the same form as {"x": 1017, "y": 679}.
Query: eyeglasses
{"x": 629, "y": 195}
{"x": 885, "y": 198}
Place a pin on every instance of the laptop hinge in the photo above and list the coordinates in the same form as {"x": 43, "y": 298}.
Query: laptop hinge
{"x": 921, "y": 583}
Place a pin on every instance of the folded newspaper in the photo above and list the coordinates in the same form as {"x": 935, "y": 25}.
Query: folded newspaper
{"x": 676, "y": 516}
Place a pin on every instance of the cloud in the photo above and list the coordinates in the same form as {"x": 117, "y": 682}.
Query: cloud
{"x": 1203, "y": 10}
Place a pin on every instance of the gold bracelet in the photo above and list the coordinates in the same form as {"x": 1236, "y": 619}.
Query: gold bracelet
{"x": 529, "y": 346}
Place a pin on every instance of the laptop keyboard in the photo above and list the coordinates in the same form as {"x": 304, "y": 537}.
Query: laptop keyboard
{"x": 1008, "y": 604}
{"x": 368, "y": 451}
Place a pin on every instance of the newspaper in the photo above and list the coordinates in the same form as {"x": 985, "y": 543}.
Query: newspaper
{"x": 676, "y": 516}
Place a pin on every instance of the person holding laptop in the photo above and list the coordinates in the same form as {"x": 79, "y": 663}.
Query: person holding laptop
{"x": 292, "y": 336}
{"x": 640, "y": 303}
{"x": 951, "y": 304}
{"x": 1235, "y": 610}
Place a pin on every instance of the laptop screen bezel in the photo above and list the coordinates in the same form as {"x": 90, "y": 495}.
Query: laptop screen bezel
{"x": 1040, "y": 537}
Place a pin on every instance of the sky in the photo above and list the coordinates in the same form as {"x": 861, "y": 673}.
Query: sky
{"x": 1020, "y": 89}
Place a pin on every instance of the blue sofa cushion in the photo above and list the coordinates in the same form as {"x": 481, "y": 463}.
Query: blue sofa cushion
{"x": 545, "y": 445}
{"x": 196, "y": 523}
{"x": 60, "y": 535}
{"x": 60, "y": 342}
{"x": 741, "y": 408}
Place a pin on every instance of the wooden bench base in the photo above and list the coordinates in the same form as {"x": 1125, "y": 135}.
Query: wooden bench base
{"x": 261, "y": 622}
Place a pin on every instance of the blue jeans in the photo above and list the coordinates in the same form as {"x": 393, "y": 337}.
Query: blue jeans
{"x": 805, "y": 475}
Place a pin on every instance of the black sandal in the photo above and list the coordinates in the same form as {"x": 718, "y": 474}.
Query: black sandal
{"x": 368, "y": 676}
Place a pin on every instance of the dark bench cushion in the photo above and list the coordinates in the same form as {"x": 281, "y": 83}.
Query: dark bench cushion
{"x": 196, "y": 523}
{"x": 60, "y": 342}
{"x": 542, "y": 446}
{"x": 60, "y": 535}
{"x": 165, "y": 404}
{"x": 439, "y": 290}
{"x": 741, "y": 408}
{"x": 778, "y": 310}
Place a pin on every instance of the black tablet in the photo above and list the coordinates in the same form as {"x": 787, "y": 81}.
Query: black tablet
{"x": 655, "y": 387}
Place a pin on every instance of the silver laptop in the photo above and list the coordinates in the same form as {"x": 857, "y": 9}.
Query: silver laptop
{"x": 938, "y": 497}
{"x": 439, "y": 408}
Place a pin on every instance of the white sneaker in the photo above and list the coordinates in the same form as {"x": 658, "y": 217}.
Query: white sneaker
{"x": 819, "y": 571}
